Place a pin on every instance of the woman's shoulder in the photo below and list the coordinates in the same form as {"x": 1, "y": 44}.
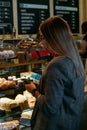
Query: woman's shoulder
{"x": 62, "y": 66}
{"x": 61, "y": 62}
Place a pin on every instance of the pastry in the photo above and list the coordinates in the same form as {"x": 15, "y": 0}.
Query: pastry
{"x": 7, "y": 103}
{"x": 11, "y": 125}
{"x": 27, "y": 114}
{"x": 22, "y": 101}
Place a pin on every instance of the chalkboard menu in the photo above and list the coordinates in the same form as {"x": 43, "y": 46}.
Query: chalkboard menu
{"x": 69, "y": 10}
{"x": 30, "y": 14}
{"x": 6, "y": 17}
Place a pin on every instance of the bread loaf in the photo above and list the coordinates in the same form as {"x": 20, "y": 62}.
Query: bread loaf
{"x": 7, "y": 103}
{"x": 22, "y": 101}
{"x": 30, "y": 98}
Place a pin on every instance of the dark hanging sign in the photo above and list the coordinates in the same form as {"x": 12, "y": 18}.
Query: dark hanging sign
{"x": 6, "y": 17}
{"x": 30, "y": 14}
{"x": 69, "y": 10}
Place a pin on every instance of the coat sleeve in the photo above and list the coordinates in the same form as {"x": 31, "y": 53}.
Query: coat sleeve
{"x": 54, "y": 90}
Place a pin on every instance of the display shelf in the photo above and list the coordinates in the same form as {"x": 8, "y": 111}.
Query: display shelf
{"x": 17, "y": 68}
{"x": 7, "y": 65}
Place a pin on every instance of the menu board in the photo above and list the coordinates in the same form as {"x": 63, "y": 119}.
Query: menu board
{"x": 69, "y": 10}
{"x": 30, "y": 14}
{"x": 6, "y": 17}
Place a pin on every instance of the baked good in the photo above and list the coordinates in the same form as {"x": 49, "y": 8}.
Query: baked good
{"x": 11, "y": 125}
{"x": 7, "y": 54}
{"x": 28, "y": 95}
{"x": 5, "y": 84}
{"x": 27, "y": 114}
{"x": 30, "y": 98}
{"x": 22, "y": 101}
{"x": 31, "y": 103}
{"x": 7, "y": 103}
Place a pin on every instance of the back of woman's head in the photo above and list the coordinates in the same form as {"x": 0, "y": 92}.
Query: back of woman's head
{"x": 84, "y": 27}
{"x": 57, "y": 33}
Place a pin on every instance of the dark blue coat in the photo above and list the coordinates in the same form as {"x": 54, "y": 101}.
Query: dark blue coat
{"x": 60, "y": 105}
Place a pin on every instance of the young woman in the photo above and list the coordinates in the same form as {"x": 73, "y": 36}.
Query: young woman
{"x": 60, "y": 94}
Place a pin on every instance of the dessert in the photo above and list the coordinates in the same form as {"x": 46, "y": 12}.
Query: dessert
{"x": 11, "y": 125}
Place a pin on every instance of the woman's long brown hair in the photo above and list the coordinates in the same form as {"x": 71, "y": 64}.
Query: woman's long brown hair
{"x": 59, "y": 38}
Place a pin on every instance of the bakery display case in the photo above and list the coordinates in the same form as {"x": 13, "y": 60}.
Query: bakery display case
{"x": 18, "y": 109}
{"x": 14, "y": 99}
{"x": 16, "y": 103}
